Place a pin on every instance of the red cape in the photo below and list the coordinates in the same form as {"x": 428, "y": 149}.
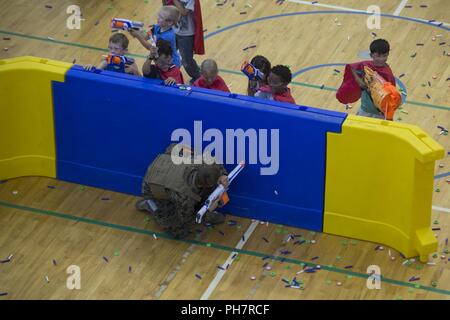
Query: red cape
{"x": 218, "y": 84}
{"x": 350, "y": 91}
{"x": 281, "y": 97}
{"x": 199, "y": 41}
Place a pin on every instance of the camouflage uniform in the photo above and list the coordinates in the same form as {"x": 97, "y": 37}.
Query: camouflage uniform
{"x": 173, "y": 190}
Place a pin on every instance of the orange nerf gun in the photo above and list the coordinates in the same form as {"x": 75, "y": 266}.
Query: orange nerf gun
{"x": 385, "y": 95}
{"x": 113, "y": 59}
{"x": 117, "y": 63}
{"x": 251, "y": 71}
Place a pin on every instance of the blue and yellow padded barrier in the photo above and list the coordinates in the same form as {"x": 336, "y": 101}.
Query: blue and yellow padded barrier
{"x": 27, "y": 140}
{"x": 345, "y": 175}
{"x": 379, "y": 184}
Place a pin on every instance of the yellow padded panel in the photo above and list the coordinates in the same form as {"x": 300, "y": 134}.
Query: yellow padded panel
{"x": 379, "y": 184}
{"x": 27, "y": 142}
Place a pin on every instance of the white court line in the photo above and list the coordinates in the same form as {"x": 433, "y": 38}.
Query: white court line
{"x": 400, "y": 7}
{"x": 229, "y": 261}
{"x": 434, "y": 22}
{"x": 325, "y": 5}
{"x": 441, "y": 209}
{"x": 356, "y": 10}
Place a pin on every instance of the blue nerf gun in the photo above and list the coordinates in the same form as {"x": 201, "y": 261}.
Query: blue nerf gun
{"x": 251, "y": 71}
{"x": 125, "y": 24}
{"x": 219, "y": 193}
{"x": 117, "y": 63}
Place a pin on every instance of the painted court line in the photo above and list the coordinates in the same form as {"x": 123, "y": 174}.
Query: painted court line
{"x": 325, "y": 5}
{"x": 261, "y": 255}
{"x": 441, "y": 209}
{"x": 442, "y": 175}
{"x": 400, "y": 7}
{"x": 396, "y": 12}
{"x": 434, "y": 22}
{"x": 229, "y": 261}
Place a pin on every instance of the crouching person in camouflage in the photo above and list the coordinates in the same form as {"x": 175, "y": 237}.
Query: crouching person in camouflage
{"x": 175, "y": 192}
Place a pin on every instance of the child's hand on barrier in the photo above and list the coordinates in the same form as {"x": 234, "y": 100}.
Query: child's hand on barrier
{"x": 89, "y": 67}
{"x": 170, "y": 81}
{"x": 132, "y": 69}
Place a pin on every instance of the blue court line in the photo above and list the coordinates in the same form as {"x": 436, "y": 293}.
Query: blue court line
{"x": 397, "y": 80}
{"x": 442, "y": 175}
{"x": 317, "y": 67}
{"x": 387, "y": 15}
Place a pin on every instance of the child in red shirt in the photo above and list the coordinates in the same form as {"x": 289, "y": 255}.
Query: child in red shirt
{"x": 277, "y": 90}
{"x": 210, "y": 78}
{"x": 353, "y": 86}
{"x": 162, "y": 68}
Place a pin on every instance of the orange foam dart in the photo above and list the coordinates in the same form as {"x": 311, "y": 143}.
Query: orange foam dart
{"x": 385, "y": 95}
{"x": 247, "y": 68}
{"x": 116, "y": 60}
{"x": 119, "y": 24}
{"x": 225, "y": 199}
{"x": 113, "y": 59}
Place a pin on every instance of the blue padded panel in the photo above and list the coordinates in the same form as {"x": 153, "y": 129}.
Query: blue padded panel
{"x": 110, "y": 126}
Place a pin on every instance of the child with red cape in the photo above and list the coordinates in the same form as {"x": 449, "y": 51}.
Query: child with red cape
{"x": 353, "y": 86}
{"x": 190, "y": 38}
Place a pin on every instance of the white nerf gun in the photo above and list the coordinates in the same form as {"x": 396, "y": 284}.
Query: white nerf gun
{"x": 219, "y": 192}
{"x": 125, "y": 24}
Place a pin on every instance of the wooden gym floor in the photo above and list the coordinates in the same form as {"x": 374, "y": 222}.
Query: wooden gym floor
{"x": 49, "y": 225}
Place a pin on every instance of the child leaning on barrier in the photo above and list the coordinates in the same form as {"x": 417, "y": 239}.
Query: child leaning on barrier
{"x": 160, "y": 66}
{"x": 276, "y": 89}
{"x": 263, "y": 65}
{"x": 118, "y": 47}
{"x": 210, "y": 78}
